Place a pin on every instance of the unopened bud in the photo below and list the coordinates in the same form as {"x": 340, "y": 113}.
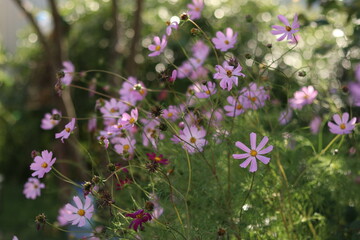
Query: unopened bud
{"x": 248, "y": 18}
{"x": 184, "y": 16}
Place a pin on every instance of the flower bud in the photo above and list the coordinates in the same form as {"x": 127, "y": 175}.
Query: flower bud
{"x": 60, "y": 74}
{"x": 111, "y": 167}
{"x": 247, "y": 56}
{"x": 302, "y": 73}
{"x": 248, "y": 18}
{"x": 269, "y": 45}
{"x": 184, "y": 16}
{"x": 149, "y": 206}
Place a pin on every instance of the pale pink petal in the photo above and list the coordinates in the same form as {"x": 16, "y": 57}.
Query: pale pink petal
{"x": 253, "y": 165}
{"x": 241, "y": 156}
{"x": 242, "y": 146}
{"x": 263, "y": 159}
{"x": 266, "y": 150}
{"x": 253, "y": 140}
{"x": 262, "y": 143}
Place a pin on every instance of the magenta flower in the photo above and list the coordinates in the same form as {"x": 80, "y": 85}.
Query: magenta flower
{"x": 225, "y": 42}
{"x": 130, "y": 119}
{"x": 236, "y": 106}
{"x": 170, "y": 26}
{"x": 48, "y": 122}
{"x": 206, "y": 90}
{"x": 69, "y": 71}
{"x": 343, "y": 125}
{"x": 228, "y": 75}
{"x": 80, "y": 213}
{"x": 158, "y": 46}
{"x": 173, "y": 76}
{"x": 288, "y": 31}
{"x": 32, "y": 188}
{"x": 42, "y": 164}
{"x": 157, "y": 159}
{"x": 303, "y": 97}
{"x": 193, "y": 139}
{"x": 254, "y": 153}
{"x": 195, "y": 9}
{"x": 139, "y": 217}
{"x": 69, "y": 128}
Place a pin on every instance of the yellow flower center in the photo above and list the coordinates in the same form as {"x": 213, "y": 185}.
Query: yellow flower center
{"x": 288, "y": 28}
{"x": 142, "y": 92}
{"x": 239, "y": 107}
{"x": 157, "y": 48}
{"x": 36, "y": 186}
{"x": 139, "y": 216}
{"x": 253, "y": 99}
{"x": 170, "y": 114}
{"x": 229, "y": 73}
{"x": 44, "y": 165}
{"x": 126, "y": 147}
{"x": 197, "y": 9}
{"x": 253, "y": 153}
{"x": 112, "y": 110}
{"x": 132, "y": 120}
{"x": 226, "y": 42}
{"x": 67, "y": 129}
{"x": 81, "y": 212}
{"x": 342, "y": 126}
{"x": 157, "y": 159}
{"x": 207, "y": 92}
{"x": 193, "y": 140}
{"x": 168, "y": 23}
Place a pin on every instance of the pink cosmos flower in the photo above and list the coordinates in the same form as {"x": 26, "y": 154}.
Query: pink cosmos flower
{"x": 195, "y": 9}
{"x": 92, "y": 124}
{"x": 236, "y": 106}
{"x": 32, "y": 188}
{"x": 158, "y": 47}
{"x": 185, "y": 69}
{"x": 228, "y": 75}
{"x": 206, "y": 90}
{"x": 343, "y": 125}
{"x": 254, "y": 153}
{"x": 15, "y": 238}
{"x": 48, "y": 122}
{"x": 130, "y": 120}
{"x": 42, "y": 164}
{"x": 288, "y": 31}
{"x": 139, "y": 217}
{"x": 315, "y": 124}
{"x": 172, "y": 112}
{"x": 193, "y": 139}
{"x": 225, "y": 42}
{"x": 69, "y": 71}
{"x": 199, "y": 73}
{"x": 285, "y": 116}
{"x": 200, "y": 50}
{"x": 69, "y": 128}
{"x": 63, "y": 215}
{"x": 158, "y": 210}
{"x": 170, "y": 26}
{"x": 256, "y": 96}
{"x": 151, "y": 133}
{"x": 113, "y": 108}
{"x": 173, "y": 76}
{"x": 303, "y": 97}
{"x": 80, "y": 213}
{"x": 124, "y": 145}
{"x": 132, "y": 91}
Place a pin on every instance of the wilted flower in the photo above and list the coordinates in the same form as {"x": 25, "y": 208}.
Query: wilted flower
{"x": 254, "y": 153}
{"x": 49, "y": 121}
{"x": 225, "y": 42}
{"x": 80, "y": 213}
{"x": 42, "y": 164}
{"x": 343, "y": 125}
{"x": 139, "y": 217}
{"x": 288, "y": 31}
{"x": 32, "y": 188}
{"x": 158, "y": 47}
{"x": 69, "y": 128}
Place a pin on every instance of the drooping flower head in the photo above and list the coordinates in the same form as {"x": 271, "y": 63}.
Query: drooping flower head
{"x": 170, "y": 26}
{"x": 42, "y": 164}
{"x": 225, "y": 41}
{"x": 228, "y": 75}
{"x": 195, "y": 9}
{"x": 51, "y": 120}
{"x": 80, "y": 212}
{"x": 343, "y": 125}
{"x": 69, "y": 71}
{"x": 158, "y": 47}
{"x": 256, "y": 152}
{"x": 303, "y": 97}
{"x": 69, "y": 128}
{"x": 139, "y": 217}
{"x": 173, "y": 76}
{"x": 32, "y": 188}
{"x": 288, "y": 30}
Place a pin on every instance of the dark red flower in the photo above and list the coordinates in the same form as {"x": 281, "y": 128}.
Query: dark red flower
{"x": 139, "y": 217}
{"x": 158, "y": 159}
